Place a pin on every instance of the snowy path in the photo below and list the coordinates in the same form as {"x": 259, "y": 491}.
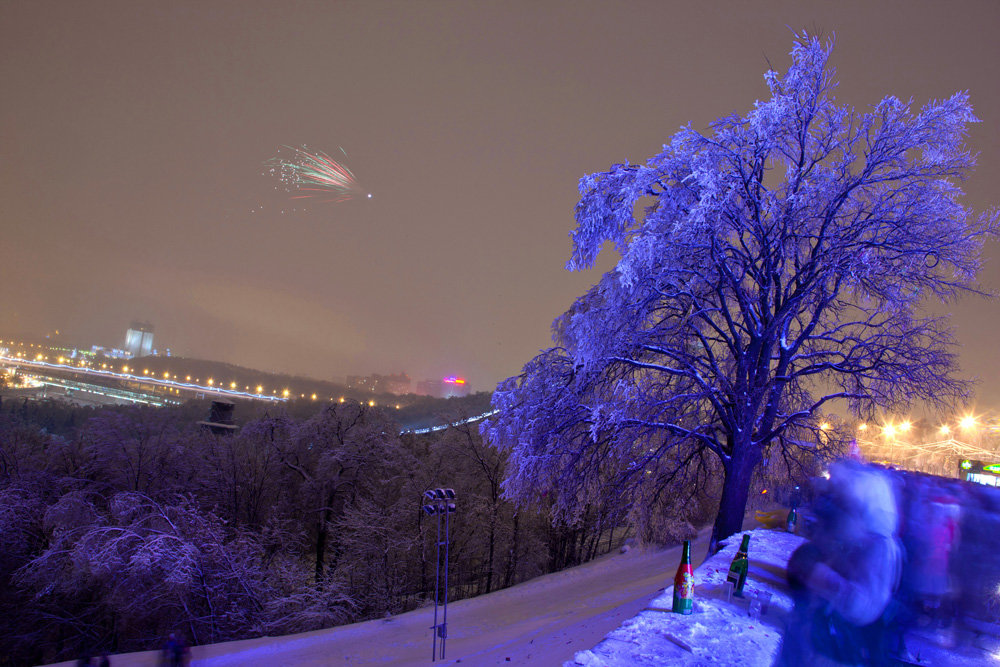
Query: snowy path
{"x": 544, "y": 621}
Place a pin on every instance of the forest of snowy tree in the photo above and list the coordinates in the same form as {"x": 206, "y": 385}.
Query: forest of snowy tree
{"x": 122, "y": 525}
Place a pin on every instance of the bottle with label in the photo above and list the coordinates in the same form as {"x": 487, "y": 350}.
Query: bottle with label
{"x": 738, "y": 568}
{"x": 793, "y": 519}
{"x": 684, "y": 583}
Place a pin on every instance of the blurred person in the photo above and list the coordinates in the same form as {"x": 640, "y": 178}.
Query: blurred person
{"x": 843, "y": 579}
{"x": 174, "y": 651}
{"x": 931, "y": 539}
{"x": 975, "y": 562}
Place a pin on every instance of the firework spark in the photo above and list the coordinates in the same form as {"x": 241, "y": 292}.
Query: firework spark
{"x": 315, "y": 175}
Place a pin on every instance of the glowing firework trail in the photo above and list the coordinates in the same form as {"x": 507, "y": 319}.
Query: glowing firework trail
{"x": 315, "y": 175}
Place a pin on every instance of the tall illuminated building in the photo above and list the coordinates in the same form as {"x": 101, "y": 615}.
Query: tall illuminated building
{"x": 448, "y": 387}
{"x": 139, "y": 339}
{"x": 381, "y": 384}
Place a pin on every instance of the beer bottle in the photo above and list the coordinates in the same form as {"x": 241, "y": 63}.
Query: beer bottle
{"x": 684, "y": 583}
{"x": 738, "y": 568}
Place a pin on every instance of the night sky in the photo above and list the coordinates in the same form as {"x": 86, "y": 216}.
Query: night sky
{"x": 133, "y": 137}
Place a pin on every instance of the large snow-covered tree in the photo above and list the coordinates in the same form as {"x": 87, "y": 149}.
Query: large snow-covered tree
{"x": 771, "y": 267}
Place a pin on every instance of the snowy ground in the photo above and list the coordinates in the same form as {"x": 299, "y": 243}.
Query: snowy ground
{"x": 544, "y": 621}
{"x": 719, "y": 632}
{"x": 611, "y": 612}
{"x": 722, "y": 632}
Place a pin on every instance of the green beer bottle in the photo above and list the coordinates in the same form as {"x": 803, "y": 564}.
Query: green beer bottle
{"x": 738, "y": 568}
{"x": 684, "y": 583}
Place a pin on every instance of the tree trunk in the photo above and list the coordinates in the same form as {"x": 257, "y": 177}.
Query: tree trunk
{"x": 320, "y": 553}
{"x": 493, "y": 532}
{"x": 735, "y": 492}
{"x": 510, "y": 570}
{"x": 321, "y": 535}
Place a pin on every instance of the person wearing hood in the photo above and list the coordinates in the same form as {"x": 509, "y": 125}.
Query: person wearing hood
{"x": 844, "y": 578}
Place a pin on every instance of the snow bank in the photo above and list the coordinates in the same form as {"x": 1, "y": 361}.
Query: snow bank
{"x": 718, "y": 632}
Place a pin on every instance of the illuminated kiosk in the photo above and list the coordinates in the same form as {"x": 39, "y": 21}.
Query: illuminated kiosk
{"x": 979, "y": 472}
{"x": 935, "y": 458}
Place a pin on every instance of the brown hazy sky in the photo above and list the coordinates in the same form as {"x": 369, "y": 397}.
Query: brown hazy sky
{"x": 132, "y": 136}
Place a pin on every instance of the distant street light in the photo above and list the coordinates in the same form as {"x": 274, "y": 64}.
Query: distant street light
{"x": 438, "y": 502}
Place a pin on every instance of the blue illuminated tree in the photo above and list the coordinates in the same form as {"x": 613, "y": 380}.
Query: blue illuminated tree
{"x": 780, "y": 263}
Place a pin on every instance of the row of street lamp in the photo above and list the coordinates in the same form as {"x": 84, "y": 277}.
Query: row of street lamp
{"x": 211, "y": 384}
{"x": 966, "y": 424}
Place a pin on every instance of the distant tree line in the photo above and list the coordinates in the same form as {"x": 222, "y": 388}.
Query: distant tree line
{"x": 121, "y": 525}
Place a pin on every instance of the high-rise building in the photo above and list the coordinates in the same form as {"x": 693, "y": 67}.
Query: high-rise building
{"x": 398, "y": 384}
{"x": 139, "y": 339}
{"x": 380, "y": 384}
{"x": 429, "y": 388}
{"x": 443, "y": 388}
{"x": 361, "y": 383}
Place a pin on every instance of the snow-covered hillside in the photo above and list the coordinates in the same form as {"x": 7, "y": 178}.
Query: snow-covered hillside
{"x": 544, "y": 621}
{"x": 613, "y": 611}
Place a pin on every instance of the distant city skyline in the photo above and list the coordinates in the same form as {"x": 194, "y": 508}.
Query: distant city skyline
{"x": 134, "y": 137}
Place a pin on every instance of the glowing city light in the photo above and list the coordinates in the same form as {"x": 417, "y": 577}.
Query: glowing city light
{"x": 168, "y": 381}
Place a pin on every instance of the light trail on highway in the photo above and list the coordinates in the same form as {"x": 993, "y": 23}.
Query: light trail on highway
{"x": 146, "y": 379}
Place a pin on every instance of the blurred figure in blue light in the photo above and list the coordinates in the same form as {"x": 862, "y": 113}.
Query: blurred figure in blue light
{"x": 844, "y": 578}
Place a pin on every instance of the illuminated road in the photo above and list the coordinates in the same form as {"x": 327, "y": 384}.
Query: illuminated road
{"x": 145, "y": 379}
